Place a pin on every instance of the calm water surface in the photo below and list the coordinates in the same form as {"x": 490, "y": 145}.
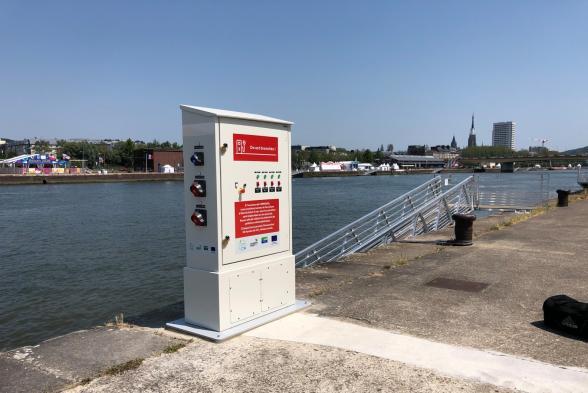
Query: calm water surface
{"x": 72, "y": 256}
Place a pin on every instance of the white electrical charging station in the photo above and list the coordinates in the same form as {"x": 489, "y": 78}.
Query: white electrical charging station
{"x": 237, "y": 192}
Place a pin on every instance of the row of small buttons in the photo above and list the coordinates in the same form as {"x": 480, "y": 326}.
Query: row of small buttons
{"x": 266, "y": 189}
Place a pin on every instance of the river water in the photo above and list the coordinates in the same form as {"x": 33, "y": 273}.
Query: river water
{"x": 74, "y": 255}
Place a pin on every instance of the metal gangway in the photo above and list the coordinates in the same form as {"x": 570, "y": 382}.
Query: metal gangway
{"x": 427, "y": 208}
{"x": 501, "y": 193}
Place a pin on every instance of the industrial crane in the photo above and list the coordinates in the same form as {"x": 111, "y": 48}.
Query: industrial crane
{"x": 542, "y": 140}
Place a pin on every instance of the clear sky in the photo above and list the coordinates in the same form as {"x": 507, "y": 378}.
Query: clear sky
{"x": 353, "y": 74}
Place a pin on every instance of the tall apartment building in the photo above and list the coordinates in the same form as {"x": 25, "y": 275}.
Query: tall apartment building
{"x": 503, "y": 134}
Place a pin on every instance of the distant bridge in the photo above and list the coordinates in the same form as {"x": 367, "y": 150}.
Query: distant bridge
{"x": 496, "y": 160}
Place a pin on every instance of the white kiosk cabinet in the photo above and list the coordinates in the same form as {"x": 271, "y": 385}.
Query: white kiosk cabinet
{"x": 237, "y": 186}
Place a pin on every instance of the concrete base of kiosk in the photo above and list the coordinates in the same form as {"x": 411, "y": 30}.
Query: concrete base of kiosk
{"x": 182, "y": 326}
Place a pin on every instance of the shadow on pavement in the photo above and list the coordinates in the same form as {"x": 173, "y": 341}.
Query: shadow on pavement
{"x": 159, "y": 317}
{"x": 541, "y": 325}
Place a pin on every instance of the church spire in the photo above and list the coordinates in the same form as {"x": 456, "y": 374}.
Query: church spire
{"x": 472, "y": 129}
{"x": 472, "y": 137}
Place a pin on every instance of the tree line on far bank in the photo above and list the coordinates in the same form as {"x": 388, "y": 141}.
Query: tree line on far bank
{"x": 500, "y": 151}
{"x": 125, "y": 153}
{"x": 302, "y": 158}
{"x": 120, "y": 153}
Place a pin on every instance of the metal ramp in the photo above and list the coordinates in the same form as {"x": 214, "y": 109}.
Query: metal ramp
{"x": 424, "y": 209}
{"x": 370, "y": 172}
{"x": 501, "y": 193}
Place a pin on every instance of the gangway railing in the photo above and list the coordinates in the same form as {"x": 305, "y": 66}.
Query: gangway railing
{"x": 501, "y": 193}
{"x": 582, "y": 177}
{"x": 423, "y": 209}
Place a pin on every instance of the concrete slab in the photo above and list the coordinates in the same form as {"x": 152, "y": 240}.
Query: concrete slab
{"x": 84, "y": 354}
{"x": 19, "y": 377}
{"x": 56, "y": 363}
{"x": 524, "y": 264}
{"x": 247, "y": 364}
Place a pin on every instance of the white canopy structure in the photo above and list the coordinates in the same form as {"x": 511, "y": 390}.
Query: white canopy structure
{"x": 16, "y": 159}
{"x": 167, "y": 169}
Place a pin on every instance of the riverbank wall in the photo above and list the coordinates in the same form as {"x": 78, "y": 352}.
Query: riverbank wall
{"x": 404, "y": 317}
{"x": 137, "y": 176}
{"x": 377, "y": 173}
{"x": 88, "y": 178}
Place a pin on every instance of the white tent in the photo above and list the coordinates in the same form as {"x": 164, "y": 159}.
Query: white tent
{"x": 330, "y": 166}
{"x": 166, "y": 169}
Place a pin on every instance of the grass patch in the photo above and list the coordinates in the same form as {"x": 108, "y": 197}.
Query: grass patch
{"x": 316, "y": 292}
{"x": 518, "y": 218}
{"x": 495, "y": 227}
{"x": 582, "y": 196}
{"x": 121, "y": 368}
{"x": 118, "y": 321}
{"x": 174, "y": 347}
{"x": 401, "y": 261}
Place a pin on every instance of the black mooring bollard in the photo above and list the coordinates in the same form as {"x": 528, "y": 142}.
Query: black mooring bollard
{"x": 562, "y": 198}
{"x": 464, "y": 229}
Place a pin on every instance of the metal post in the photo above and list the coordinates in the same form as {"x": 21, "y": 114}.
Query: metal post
{"x": 548, "y": 186}
{"x": 447, "y": 208}
{"x": 436, "y": 227}
{"x": 467, "y": 196}
{"x": 458, "y": 203}
{"x": 477, "y": 180}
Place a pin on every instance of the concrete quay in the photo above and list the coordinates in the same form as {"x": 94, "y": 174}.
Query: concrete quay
{"x": 407, "y": 317}
{"x": 89, "y": 178}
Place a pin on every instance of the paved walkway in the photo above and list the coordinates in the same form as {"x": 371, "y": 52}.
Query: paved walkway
{"x": 459, "y": 362}
{"x": 248, "y": 364}
{"x": 522, "y": 265}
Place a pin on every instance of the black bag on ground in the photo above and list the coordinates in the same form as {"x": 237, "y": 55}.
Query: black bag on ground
{"x": 561, "y": 312}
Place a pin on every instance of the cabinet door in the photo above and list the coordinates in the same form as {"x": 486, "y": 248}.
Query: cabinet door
{"x": 277, "y": 285}
{"x": 255, "y": 181}
{"x": 245, "y": 295}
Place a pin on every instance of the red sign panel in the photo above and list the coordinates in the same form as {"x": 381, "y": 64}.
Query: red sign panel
{"x": 257, "y": 217}
{"x": 255, "y": 148}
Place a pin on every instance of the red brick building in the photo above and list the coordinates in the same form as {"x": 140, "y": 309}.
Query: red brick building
{"x": 157, "y": 158}
{"x": 167, "y": 157}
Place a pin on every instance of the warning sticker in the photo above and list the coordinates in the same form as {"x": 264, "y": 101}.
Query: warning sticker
{"x": 257, "y": 217}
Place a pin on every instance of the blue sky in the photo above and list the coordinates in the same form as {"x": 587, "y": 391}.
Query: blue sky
{"x": 352, "y": 74}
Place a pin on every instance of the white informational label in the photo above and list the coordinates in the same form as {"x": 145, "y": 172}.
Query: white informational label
{"x": 255, "y": 243}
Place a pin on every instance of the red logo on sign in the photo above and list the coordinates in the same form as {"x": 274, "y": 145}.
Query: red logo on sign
{"x": 255, "y": 148}
{"x": 257, "y": 217}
